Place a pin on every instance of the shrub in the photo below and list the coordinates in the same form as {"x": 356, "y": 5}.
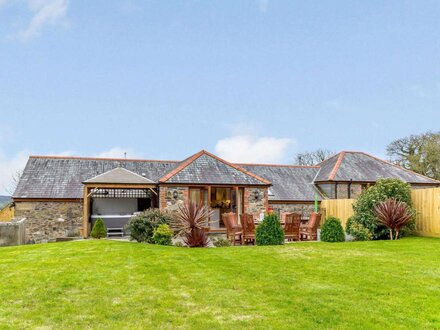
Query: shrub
{"x": 190, "y": 221}
{"x": 332, "y": 231}
{"x": 393, "y": 214}
{"x": 359, "y": 232}
{"x": 179, "y": 244}
{"x": 99, "y": 230}
{"x": 269, "y": 232}
{"x": 162, "y": 235}
{"x": 348, "y": 225}
{"x": 142, "y": 226}
{"x": 383, "y": 189}
{"x": 222, "y": 242}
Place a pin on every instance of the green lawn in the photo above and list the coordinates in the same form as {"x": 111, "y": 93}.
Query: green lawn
{"x": 108, "y": 284}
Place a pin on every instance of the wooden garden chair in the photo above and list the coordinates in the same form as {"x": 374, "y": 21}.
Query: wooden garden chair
{"x": 233, "y": 229}
{"x": 292, "y": 226}
{"x": 310, "y": 231}
{"x": 248, "y": 226}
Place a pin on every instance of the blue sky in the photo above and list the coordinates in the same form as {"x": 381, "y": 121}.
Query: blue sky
{"x": 253, "y": 81}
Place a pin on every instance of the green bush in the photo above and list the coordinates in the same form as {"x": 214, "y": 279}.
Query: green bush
{"x": 99, "y": 230}
{"x": 348, "y": 225}
{"x": 332, "y": 231}
{"x": 162, "y": 235}
{"x": 221, "y": 242}
{"x": 142, "y": 226}
{"x": 269, "y": 232}
{"x": 360, "y": 233}
{"x": 382, "y": 190}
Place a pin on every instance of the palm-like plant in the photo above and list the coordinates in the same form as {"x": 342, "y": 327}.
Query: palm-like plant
{"x": 393, "y": 214}
{"x": 190, "y": 221}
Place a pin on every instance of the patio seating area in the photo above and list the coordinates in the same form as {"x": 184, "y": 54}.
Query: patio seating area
{"x": 294, "y": 226}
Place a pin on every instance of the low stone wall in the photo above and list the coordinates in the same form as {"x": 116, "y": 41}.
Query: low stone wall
{"x": 12, "y": 233}
{"x": 47, "y": 221}
{"x": 303, "y": 208}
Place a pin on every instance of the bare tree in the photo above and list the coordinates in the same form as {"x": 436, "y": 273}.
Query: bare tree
{"x": 418, "y": 153}
{"x": 310, "y": 158}
{"x": 15, "y": 178}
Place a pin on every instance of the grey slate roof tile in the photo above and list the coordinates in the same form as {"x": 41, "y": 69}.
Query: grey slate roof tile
{"x": 206, "y": 169}
{"x": 358, "y": 166}
{"x": 49, "y": 177}
{"x": 290, "y": 183}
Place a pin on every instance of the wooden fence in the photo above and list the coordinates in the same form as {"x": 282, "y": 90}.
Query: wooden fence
{"x": 426, "y": 202}
{"x": 7, "y": 213}
{"x": 339, "y": 208}
{"x": 427, "y": 205}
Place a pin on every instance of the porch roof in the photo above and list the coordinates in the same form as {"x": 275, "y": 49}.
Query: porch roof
{"x": 119, "y": 175}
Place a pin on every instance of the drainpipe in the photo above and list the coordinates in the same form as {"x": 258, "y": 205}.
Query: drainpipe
{"x": 349, "y": 188}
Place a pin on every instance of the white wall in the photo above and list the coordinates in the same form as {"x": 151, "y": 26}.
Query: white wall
{"x": 114, "y": 206}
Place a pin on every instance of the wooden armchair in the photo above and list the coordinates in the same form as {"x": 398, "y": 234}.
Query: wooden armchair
{"x": 292, "y": 226}
{"x": 248, "y": 226}
{"x": 233, "y": 229}
{"x": 310, "y": 231}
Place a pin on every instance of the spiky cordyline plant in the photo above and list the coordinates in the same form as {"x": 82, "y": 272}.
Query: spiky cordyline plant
{"x": 393, "y": 214}
{"x": 189, "y": 221}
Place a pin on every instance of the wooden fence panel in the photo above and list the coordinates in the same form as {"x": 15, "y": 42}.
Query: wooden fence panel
{"x": 339, "y": 208}
{"x": 427, "y": 205}
{"x": 426, "y": 202}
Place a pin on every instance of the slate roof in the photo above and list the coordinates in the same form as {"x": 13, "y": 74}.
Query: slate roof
{"x": 359, "y": 166}
{"x": 120, "y": 175}
{"x": 290, "y": 183}
{"x": 62, "y": 177}
{"x": 206, "y": 168}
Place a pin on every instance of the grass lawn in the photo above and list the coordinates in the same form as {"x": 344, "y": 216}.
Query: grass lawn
{"x": 108, "y": 284}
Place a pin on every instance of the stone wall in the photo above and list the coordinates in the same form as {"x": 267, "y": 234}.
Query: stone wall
{"x": 255, "y": 200}
{"x": 303, "y": 208}
{"x": 47, "y": 221}
{"x": 168, "y": 202}
{"x": 12, "y": 233}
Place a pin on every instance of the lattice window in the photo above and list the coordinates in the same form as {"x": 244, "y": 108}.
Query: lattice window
{"x": 120, "y": 193}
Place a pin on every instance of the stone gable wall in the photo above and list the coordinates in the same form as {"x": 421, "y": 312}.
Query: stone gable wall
{"x": 166, "y": 197}
{"x": 256, "y": 201}
{"x": 47, "y": 221}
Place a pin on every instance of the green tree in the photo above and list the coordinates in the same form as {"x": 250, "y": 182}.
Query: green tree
{"x": 269, "y": 232}
{"x": 99, "y": 230}
{"x": 332, "y": 231}
{"x": 418, "y": 153}
{"x": 364, "y": 206}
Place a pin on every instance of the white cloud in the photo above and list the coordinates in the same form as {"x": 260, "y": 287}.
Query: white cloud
{"x": 249, "y": 149}
{"x": 44, "y": 12}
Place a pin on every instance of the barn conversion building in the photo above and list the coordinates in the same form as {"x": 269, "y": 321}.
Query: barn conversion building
{"x": 63, "y": 196}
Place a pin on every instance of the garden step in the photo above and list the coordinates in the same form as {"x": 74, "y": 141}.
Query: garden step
{"x": 115, "y": 232}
